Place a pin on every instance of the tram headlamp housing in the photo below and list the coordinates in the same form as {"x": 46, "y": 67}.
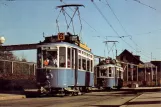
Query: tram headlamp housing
{"x": 47, "y": 77}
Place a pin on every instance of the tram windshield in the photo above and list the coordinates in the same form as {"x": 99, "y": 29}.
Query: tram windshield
{"x": 51, "y": 57}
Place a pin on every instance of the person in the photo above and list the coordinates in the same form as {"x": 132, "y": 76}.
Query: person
{"x": 53, "y": 62}
{"x": 46, "y": 62}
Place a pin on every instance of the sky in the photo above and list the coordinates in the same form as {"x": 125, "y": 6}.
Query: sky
{"x": 139, "y": 25}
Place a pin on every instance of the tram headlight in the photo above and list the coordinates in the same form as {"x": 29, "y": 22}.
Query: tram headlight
{"x": 47, "y": 77}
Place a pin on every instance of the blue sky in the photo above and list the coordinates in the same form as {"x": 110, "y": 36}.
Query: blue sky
{"x": 24, "y": 21}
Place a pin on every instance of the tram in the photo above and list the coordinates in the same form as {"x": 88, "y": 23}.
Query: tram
{"x": 108, "y": 74}
{"x": 64, "y": 65}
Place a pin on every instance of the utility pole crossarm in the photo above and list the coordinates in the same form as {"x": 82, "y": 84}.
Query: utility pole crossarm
{"x": 110, "y": 41}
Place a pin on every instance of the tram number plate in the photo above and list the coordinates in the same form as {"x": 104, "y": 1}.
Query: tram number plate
{"x": 61, "y": 36}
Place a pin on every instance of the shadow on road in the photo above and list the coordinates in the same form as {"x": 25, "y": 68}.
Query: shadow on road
{"x": 143, "y": 102}
{"x": 106, "y": 105}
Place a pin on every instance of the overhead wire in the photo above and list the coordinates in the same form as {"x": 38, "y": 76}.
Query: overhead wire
{"x": 120, "y": 22}
{"x": 149, "y": 32}
{"x": 138, "y": 1}
{"x": 121, "y": 25}
{"x": 86, "y": 23}
{"x": 111, "y": 25}
{"x": 83, "y": 19}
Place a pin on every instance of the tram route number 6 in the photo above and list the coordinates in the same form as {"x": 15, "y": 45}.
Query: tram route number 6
{"x": 61, "y": 36}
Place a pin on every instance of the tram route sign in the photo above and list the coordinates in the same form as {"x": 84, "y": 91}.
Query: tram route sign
{"x": 61, "y": 36}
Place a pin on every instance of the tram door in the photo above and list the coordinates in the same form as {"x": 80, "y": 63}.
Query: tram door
{"x": 75, "y": 64}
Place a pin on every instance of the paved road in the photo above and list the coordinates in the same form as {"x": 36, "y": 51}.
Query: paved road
{"x": 149, "y": 99}
{"x": 94, "y": 99}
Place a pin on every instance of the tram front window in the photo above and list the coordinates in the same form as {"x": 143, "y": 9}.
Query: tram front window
{"x": 103, "y": 73}
{"x": 50, "y": 58}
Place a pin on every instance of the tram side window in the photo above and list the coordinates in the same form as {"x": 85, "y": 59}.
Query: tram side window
{"x": 110, "y": 72}
{"x": 50, "y": 58}
{"x": 69, "y": 58}
{"x": 91, "y": 65}
{"x": 62, "y": 56}
{"x": 84, "y": 63}
{"x": 80, "y": 61}
{"x": 88, "y": 65}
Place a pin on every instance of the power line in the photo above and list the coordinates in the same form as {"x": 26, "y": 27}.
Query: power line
{"x": 138, "y": 1}
{"x": 149, "y": 32}
{"x": 121, "y": 24}
{"x": 112, "y": 26}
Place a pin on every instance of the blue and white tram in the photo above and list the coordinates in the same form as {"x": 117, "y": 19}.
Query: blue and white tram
{"x": 64, "y": 65}
{"x": 109, "y": 75}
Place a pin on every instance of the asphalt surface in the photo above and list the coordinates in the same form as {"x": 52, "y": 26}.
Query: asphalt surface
{"x": 94, "y": 99}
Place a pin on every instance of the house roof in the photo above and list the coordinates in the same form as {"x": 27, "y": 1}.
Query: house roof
{"x": 126, "y": 51}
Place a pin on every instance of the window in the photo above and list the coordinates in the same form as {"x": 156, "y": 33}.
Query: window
{"x": 62, "y": 56}
{"x": 103, "y": 72}
{"x": 69, "y": 58}
{"x": 73, "y": 58}
{"x": 110, "y": 72}
{"x": 50, "y": 57}
{"x": 91, "y": 65}
{"x": 80, "y": 61}
{"x": 88, "y": 65}
{"x": 84, "y": 63}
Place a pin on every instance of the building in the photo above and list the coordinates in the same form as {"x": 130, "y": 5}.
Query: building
{"x": 135, "y": 71}
{"x": 158, "y": 64}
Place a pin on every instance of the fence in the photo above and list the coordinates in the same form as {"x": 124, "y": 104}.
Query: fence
{"x": 17, "y": 72}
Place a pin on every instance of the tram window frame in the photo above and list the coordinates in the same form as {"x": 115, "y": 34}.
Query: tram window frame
{"x": 61, "y": 55}
{"x": 69, "y": 57}
{"x": 110, "y": 72}
{"x": 92, "y": 66}
{"x": 88, "y": 64}
{"x": 80, "y": 62}
{"x": 84, "y": 63}
{"x": 48, "y": 56}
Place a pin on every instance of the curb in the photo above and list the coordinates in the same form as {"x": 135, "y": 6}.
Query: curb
{"x": 133, "y": 99}
{"x": 11, "y": 97}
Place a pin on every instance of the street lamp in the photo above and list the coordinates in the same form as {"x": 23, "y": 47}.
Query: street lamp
{"x": 2, "y": 40}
